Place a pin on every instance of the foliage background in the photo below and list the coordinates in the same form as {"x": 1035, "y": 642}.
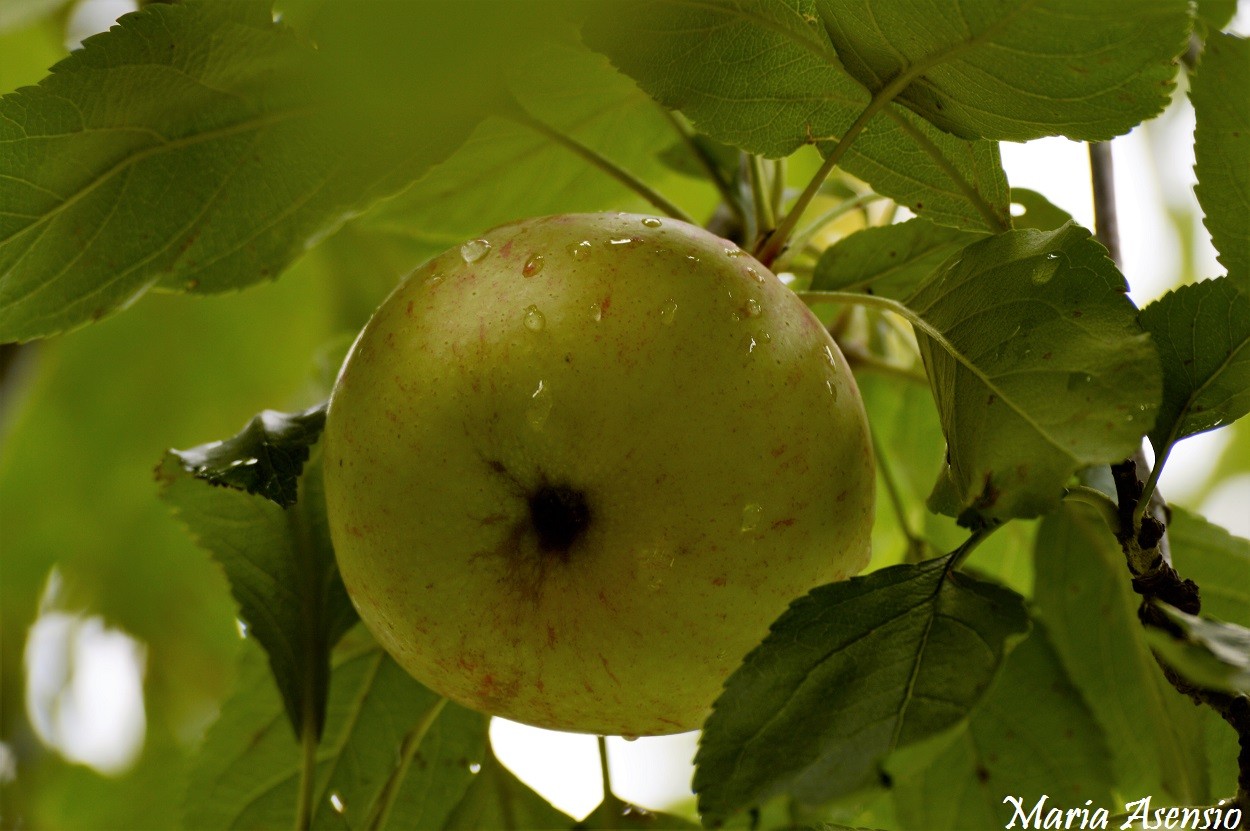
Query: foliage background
{"x": 85, "y": 416}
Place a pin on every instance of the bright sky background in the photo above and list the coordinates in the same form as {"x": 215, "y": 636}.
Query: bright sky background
{"x": 98, "y": 717}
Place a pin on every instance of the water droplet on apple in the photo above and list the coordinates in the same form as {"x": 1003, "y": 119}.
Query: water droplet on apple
{"x": 755, "y": 275}
{"x": 532, "y": 266}
{"x": 625, "y": 241}
{"x": 540, "y": 407}
{"x": 474, "y": 250}
{"x": 579, "y": 250}
{"x": 828, "y": 353}
{"x": 535, "y": 321}
{"x": 336, "y": 802}
{"x": 833, "y": 389}
{"x": 751, "y": 515}
{"x": 474, "y": 767}
{"x": 630, "y": 738}
{"x": 241, "y": 626}
{"x": 651, "y": 222}
{"x": 735, "y": 252}
{"x": 750, "y": 343}
{"x": 596, "y": 312}
{"x": 753, "y": 307}
{"x": 668, "y": 311}
{"x": 434, "y": 279}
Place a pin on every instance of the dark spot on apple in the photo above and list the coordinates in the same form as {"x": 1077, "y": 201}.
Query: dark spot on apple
{"x": 560, "y": 516}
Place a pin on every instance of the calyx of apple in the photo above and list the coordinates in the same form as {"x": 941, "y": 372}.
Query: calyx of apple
{"x": 575, "y": 468}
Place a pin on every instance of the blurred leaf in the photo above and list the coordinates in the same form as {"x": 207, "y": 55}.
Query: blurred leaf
{"x": 849, "y": 673}
{"x": 1037, "y": 364}
{"x": 26, "y": 53}
{"x": 507, "y": 171}
{"x": 1210, "y": 653}
{"x": 764, "y": 77}
{"x": 1083, "y": 595}
{"x": 1216, "y": 14}
{"x": 204, "y": 109}
{"x": 1202, "y": 331}
{"x": 1032, "y": 705}
{"x": 615, "y": 814}
{"x": 1039, "y": 213}
{"x": 1214, "y": 559}
{"x": 890, "y": 260}
{"x": 388, "y": 742}
{"x": 280, "y": 564}
{"x": 265, "y": 459}
{"x": 680, "y": 158}
{"x": 1016, "y": 70}
{"x": 497, "y": 799}
{"x": 14, "y": 14}
{"x": 1222, "y": 149}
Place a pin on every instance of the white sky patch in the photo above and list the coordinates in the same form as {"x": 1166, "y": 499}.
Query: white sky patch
{"x": 90, "y": 17}
{"x": 84, "y": 686}
{"x": 1226, "y": 505}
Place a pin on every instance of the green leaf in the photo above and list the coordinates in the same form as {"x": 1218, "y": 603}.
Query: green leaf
{"x": 266, "y": 458}
{"x": 889, "y": 260}
{"x": 680, "y": 158}
{"x": 1216, "y": 14}
{"x": 186, "y": 148}
{"x": 763, "y": 77}
{"x": 849, "y": 673}
{"x": 1214, "y": 559}
{"x": 497, "y": 799}
{"x": 1211, "y": 653}
{"x": 506, "y": 170}
{"x": 1032, "y": 736}
{"x": 1082, "y": 593}
{"x": 15, "y": 14}
{"x": 1202, "y": 331}
{"x": 1222, "y": 149}
{"x": 1038, "y": 212}
{"x": 279, "y": 561}
{"x": 615, "y": 814}
{"x": 1038, "y": 366}
{"x": 388, "y": 741}
{"x": 1016, "y": 70}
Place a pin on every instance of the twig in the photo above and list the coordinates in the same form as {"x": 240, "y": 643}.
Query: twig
{"x": 731, "y": 199}
{"x": 629, "y": 180}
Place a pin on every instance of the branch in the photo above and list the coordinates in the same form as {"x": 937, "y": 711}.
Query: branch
{"x": 1143, "y": 519}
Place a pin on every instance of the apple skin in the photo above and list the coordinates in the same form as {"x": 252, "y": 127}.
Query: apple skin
{"x": 691, "y": 426}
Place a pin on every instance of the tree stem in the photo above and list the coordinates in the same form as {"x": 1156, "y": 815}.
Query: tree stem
{"x": 307, "y": 770}
{"x": 775, "y": 242}
{"x": 761, "y": 198}
{"x": 915, "y": 545}
{"x": 1106, "y": 224}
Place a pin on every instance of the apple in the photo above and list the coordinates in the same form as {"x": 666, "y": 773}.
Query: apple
{"x": 575, "y": 468}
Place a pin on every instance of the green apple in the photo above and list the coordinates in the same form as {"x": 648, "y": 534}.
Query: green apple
{"x": 574, "y": 470}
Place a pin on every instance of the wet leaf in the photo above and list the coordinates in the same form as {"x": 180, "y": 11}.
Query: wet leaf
{"x": 849, "y": 673}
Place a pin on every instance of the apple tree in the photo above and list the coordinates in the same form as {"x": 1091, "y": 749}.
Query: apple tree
{"x": 201, "y": 207}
